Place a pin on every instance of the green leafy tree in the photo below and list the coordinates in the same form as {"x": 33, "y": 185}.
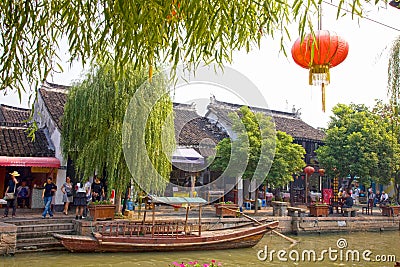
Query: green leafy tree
{"x": 93, "y": 128}
{"x": 257, "y": 142}
{"x": 387, "y": 112}
{"x": 394, "y": 93}
{"x": 357, "y": 144}
{"x": 141, "y": 33}
{"x": 288, "y": 160}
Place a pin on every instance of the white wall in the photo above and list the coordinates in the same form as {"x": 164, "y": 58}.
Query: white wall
{"x": 45, "y": 121}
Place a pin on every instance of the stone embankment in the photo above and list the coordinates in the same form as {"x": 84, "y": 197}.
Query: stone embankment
{"x": 30, "y": 233}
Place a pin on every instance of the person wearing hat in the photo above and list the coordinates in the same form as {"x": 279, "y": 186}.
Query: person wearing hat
{"x": 10, "y": 194}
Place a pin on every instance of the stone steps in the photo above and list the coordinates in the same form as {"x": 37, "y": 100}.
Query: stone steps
{"x": 36, "y": 235}
{"x": 44, "y": 227}
{"x": 38, "y": 244}
{"x": 39, "y": 220}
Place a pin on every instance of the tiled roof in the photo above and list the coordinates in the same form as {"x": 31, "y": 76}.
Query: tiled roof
{"x": 15, "y": 142}
{"x": 196, "y": 131}
{"x": 286, "y": 122}
{"x": 13, "y": 116}
{"x": 192, "y": 130}
{"x": 54, "y": 97}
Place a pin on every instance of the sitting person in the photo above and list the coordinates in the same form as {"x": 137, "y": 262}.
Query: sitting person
{"x": 384, "y": 198}
{"x": 348, "y": 200}
{"x": 23, "y": 193}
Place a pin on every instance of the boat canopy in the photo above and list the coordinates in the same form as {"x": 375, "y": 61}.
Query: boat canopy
{"x": 178, "y": 200}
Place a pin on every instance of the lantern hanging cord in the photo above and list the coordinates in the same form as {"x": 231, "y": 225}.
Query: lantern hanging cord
{"x": 363, "y": 17}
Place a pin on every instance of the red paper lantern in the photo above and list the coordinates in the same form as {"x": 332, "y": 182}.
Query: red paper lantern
{"x": 309, "y": 170}
{"x": 321, "y": 172}
{"x": 395, "y": 3}
{"x": 327, "y": 50}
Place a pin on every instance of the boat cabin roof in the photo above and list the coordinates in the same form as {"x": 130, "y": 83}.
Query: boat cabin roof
{"x": 178, "y": 200}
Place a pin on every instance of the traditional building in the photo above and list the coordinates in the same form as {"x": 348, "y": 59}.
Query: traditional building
{"x": 199, "y": 133}
{"x": 33, "y": 159}
{"x": 288, "y": 122}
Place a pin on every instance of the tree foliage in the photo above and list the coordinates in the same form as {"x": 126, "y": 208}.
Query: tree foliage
{"x": 358, "y": 143}
{"x": 387, "y": 113}
{"x": 142, "y": 33}
{"x": 288, "y": 160}
{"x": 92, "y": 128}
{"x": 280, "y": 159}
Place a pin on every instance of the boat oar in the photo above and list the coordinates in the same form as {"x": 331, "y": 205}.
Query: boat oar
{"x": 260, "y": 223}
{"x": 285, "y": 237}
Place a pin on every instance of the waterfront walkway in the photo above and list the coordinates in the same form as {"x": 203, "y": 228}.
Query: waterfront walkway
{"x": 165, "y": 211}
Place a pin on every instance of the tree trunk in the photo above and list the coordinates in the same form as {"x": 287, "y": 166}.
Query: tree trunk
{"x": 125, "y": 199}
{"x": 118, "y": 206}
{"x": 350, "y": 182}
{"x": 256, "y": 202}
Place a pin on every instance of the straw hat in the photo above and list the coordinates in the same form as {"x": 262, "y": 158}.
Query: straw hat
{"x": 14, "y": 173}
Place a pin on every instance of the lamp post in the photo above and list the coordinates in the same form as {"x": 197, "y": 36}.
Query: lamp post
{"x": 308, "y": 171}
{"x": 321, "y": 174}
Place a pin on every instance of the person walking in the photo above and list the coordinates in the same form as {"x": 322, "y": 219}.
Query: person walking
{"x": 66, "y": 189}
{"x": 47, "y": 195}
{"x": 10, "y": 195}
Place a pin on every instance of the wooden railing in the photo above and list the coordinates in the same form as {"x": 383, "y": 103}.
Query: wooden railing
{"x": 138, "y": 228}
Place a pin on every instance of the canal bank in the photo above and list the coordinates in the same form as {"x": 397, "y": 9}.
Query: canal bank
{"x": 11, "y": 229}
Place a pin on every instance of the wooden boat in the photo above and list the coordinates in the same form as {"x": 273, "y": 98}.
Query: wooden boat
{"x": 146, "y": 238}
{"x": 170, "y": 235}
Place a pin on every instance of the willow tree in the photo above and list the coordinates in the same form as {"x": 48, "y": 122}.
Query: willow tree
{"x": 139, "y": 32}
{"x": 394, "y": 93}
{"x": 93, "y": 127}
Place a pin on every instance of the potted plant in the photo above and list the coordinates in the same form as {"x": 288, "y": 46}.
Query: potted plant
{"x": 319, "y": 209}
{"x": 390, "y": 210}
{"x": 227, "y": 208}
{"x": 102, "y": 210}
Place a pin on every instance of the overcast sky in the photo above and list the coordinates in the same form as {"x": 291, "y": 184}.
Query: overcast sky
{"x": 361, "y": 78}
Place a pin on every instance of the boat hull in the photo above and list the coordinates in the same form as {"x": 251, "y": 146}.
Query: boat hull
{"x": 224, "y": 239}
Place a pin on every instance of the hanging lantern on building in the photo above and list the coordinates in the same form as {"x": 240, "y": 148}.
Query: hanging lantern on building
{"x": 321, "y": 172}
{"x": 318, "y": 55}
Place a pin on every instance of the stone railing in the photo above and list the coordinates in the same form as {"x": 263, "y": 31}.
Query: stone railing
{"x": 8, "y": 238}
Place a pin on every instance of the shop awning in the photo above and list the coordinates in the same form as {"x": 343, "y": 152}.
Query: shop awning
{"x": 30, "y": 161}
{"x": 187, "y": 155}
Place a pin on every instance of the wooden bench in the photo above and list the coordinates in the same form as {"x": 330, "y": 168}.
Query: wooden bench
{"x": 349, "y": 212}
{"x": 292, "y": 211}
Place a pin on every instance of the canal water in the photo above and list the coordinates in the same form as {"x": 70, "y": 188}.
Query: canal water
{"x": 372, "y": 249}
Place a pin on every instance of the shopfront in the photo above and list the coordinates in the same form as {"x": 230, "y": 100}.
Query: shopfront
{"x": 33, "y": 172}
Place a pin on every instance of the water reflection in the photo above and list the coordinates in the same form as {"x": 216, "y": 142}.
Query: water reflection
{"x": 386, "y": 243}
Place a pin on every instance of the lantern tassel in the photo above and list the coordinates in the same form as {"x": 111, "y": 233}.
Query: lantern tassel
{"x": 323, "y": 96}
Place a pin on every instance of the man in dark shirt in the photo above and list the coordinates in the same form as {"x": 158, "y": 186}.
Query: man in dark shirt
{"x": 97, "y": 190}
{"x": 348, "y": 202}
{"x": 47, "y": 196}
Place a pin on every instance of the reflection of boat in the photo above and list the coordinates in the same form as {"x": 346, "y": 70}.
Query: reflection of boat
{"x": 141, "y": 236}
